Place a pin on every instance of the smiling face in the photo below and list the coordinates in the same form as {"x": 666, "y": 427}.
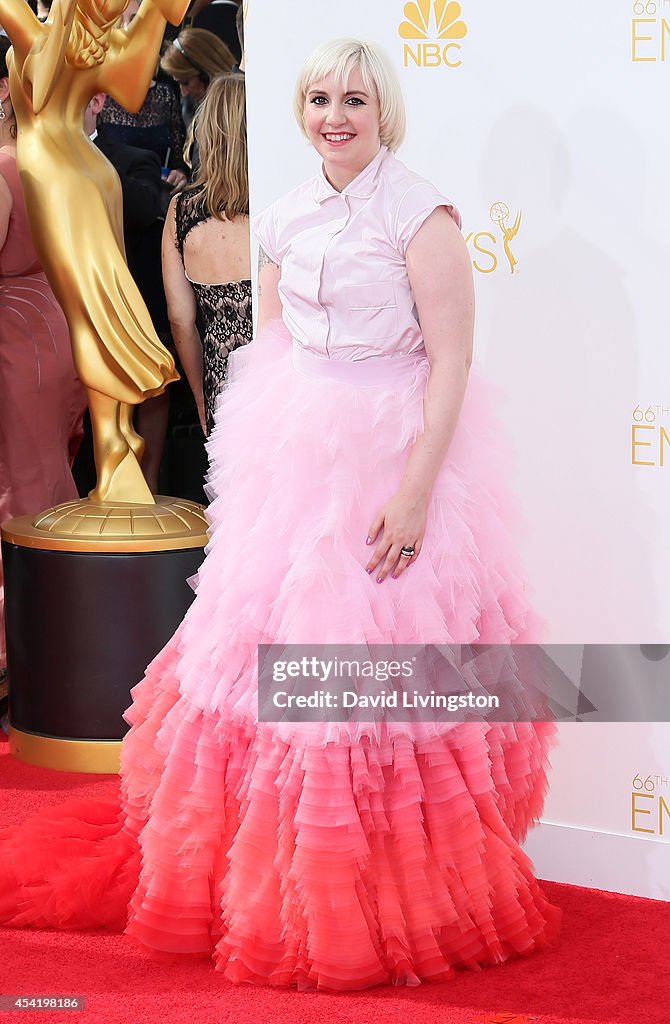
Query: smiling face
{"x": 342, "y": 123}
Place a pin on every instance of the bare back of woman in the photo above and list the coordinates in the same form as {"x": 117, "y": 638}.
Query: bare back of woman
{"x": 206, "y": 250}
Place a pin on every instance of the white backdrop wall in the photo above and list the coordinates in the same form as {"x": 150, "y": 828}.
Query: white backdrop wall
{"x": 547, "y": 126}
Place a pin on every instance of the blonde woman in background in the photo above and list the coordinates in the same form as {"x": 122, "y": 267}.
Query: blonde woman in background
{"x": 206, "y": 261}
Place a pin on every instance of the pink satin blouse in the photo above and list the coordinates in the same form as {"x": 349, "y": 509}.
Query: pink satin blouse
{"x": 344, "y": 287}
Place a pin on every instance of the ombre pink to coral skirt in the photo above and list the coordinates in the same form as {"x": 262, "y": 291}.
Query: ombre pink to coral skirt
{"x": 317, "y": 855}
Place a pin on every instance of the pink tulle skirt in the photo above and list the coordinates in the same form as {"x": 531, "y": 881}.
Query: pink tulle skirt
{"x": 336, "y": 855}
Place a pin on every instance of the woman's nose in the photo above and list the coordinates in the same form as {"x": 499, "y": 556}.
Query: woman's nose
{"x": 336, "y": 114}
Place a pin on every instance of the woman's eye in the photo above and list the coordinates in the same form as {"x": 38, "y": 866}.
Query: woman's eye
{"x": 319, "y": 100}
{"x": 356, "y": 101}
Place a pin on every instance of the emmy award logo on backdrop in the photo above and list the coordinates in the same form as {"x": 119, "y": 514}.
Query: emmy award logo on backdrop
{"x": 650, "y": 435}
{"x": 649, "y": 806}
{"x": 434, "y": 26}
{"x": 484, "y": 244}
{"x": 499, "y": 214}
{"x": 650, "y": 31}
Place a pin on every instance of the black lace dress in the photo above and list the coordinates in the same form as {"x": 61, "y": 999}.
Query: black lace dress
{"x": 225, "y": 309}
{"x": 157, "y": 126}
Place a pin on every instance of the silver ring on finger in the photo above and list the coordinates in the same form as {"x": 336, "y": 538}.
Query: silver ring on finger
{"x": 407, "y": 551}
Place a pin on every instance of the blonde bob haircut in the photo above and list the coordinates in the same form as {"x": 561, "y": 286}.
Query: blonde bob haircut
{"x": 222, "y": 182}
{"x": 339, "y": 58}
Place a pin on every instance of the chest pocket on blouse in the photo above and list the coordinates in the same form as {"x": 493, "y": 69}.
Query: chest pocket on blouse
{"x": 372, "y": 310}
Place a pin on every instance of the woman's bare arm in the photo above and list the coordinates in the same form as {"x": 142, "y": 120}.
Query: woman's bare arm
{"x": 21, "y": 25}
{"x": 440, "y": 274}
{"x": 269, "y": 303}
{"x": 182, "y": 311}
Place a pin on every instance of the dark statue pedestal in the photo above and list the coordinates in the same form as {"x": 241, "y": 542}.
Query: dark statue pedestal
{"x": 84, "y": 616}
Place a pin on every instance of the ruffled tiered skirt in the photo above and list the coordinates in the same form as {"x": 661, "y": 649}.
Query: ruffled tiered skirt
{"x": 336, "y": 855}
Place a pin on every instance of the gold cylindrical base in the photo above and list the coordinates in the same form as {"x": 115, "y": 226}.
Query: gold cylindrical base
{"x": 95, "y": 757}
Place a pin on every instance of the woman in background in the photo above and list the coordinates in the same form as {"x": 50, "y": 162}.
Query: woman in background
{"x": 206, "y": 269}
{"x": 193, "y": 59}
{"x": 43, "y": 403}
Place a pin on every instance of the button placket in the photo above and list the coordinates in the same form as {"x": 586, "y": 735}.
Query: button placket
{"x": 344, "y": 199}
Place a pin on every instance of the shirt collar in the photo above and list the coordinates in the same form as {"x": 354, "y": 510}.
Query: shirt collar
{"x": 362, "y": 187}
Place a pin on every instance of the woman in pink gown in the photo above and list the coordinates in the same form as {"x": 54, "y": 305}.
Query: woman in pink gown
{"x": 42, "y": 402}
{"x": 355, "y": 502}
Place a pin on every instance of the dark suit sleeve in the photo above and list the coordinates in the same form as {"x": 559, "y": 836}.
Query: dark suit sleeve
{"x": 141, "y": 185}
{"x": 140, "y": 174}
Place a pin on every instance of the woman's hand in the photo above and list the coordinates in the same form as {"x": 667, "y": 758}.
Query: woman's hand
{"x": 177, "y": 179}
{"x": 200, "y": 406}
{"x": 400, "y": 523}
{"x": 440, "y": 273}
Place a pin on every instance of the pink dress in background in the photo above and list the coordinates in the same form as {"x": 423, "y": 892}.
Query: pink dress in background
{"x": 336, "y": 855}
{"x": 41, "y": 400}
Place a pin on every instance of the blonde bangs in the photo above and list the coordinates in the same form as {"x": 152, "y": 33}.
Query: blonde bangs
{"x": 339, "y": 58}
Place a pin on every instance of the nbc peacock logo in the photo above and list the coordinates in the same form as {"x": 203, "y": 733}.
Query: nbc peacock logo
{"x": 433, "y": 29}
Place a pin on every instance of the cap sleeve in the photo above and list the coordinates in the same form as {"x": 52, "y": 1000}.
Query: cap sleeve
{"x": 264, "y": 227}
{"x": 415, "y": 206}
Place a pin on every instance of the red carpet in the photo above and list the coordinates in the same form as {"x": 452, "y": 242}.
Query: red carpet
{"x": 610, "y": 966}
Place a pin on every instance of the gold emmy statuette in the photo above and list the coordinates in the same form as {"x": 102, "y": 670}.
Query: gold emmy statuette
{"x": 74, "y": 202}
{"x": 93, "y": 636}
{"x": 499, "y": 214}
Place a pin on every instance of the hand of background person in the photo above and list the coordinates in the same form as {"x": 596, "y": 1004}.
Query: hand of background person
{"x": 400, "y": 522}
{"x": 177, "y": 179}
